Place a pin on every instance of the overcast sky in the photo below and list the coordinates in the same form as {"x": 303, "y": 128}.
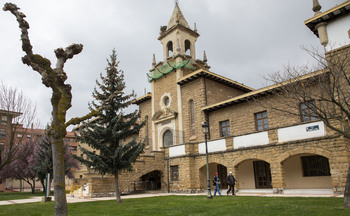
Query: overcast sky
{"x": 243, "y": 40}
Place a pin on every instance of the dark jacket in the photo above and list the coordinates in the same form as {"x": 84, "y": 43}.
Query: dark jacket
{"x": 231, "y": 180}
{"x": 216, "y": 180}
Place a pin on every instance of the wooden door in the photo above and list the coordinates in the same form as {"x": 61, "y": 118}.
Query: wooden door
{"x": 262, "y": 174}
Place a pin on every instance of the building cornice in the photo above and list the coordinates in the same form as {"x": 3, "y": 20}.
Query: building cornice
{"x": 215, "y": 77}
{"x": 142, "y": 99}
{"x": 328, "y": 16}
{"x": 178, "y": 26}
{"x": 258, "y": 93}
{"x": 11, "y": 113}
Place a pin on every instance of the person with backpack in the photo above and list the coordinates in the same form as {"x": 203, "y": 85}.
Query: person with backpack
{"x": 216, "y": 183}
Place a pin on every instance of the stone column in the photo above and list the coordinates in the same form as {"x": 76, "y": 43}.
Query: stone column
{"x": 235, "y": 174}
{"x": 338, "y": 168}
{"x": 277, "y": 177}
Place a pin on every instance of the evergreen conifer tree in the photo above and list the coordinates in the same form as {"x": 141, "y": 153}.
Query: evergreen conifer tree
{"x": 112, "y": 134}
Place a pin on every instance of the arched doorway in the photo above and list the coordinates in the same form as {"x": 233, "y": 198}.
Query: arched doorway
{"x": 149, "y": 181}
{"x": 307, "y": 171}
{"x": 213, "y": 169}
{"x": 254, "y": 174}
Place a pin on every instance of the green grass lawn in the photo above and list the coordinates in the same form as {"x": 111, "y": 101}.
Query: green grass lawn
{"x": 20, "y": 195}
{"x": 192, "y": 205}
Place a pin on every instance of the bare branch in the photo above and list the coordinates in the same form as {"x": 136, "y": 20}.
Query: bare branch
{"x": 78, "y": 120}
{"x": 329, "y": 88}
{"x": 23, "y": 25}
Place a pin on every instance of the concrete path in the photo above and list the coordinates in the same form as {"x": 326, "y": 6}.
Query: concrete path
{"x": 145, "y": 195}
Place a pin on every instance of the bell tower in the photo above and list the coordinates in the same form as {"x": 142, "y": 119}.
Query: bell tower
{"x": 179, "y": 60}
{"x": 178, "y": 39}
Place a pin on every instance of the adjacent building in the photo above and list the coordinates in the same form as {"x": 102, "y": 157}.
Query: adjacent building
{"x": 17, "y": 134}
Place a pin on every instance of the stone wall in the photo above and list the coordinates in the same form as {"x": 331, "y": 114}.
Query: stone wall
{"x": 100, "y": 186}
{"x": 217, "y": 92}
{"x": 193, "y": 91}
{"x": 335, "y": 148}
{"x": 146, "y": 132}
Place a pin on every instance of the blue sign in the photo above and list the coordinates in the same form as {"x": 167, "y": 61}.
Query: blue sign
{"x": 312, "y": 128}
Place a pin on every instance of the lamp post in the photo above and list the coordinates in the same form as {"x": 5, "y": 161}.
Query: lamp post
{"x": 205, "y": 128}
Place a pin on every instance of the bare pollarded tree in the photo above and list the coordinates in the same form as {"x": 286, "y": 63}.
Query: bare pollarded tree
{"x": 61, "y": 98}
{"x": 16, "y": 104}
{"x": 323, "y": 94}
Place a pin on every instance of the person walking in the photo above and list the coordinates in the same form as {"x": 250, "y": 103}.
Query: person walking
{"x": 216, "y": 183}
{"x": 231, "y": 181}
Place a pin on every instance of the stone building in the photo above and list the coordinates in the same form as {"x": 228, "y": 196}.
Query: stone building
{"x": 267, "y": 151}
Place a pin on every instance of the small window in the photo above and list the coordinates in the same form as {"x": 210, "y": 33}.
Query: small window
{"x": 170, "y": 49}
{"x": 192, "y": 118}
{"x": 315, "y": 166}
{"x": 166, "y": 100}
{"x": 80, "y": 176}
{"x": 147, "y": 131}
{"x": 261, "y": 121}
{"x": 187, "y": 47}
{"x": 19, "y": 135}
{"x": 306, "y": 112}
{"x": 3, "y": 120}
{"x": 224, "y": 128}
{"x": 2, "y": 133}
{"x": 29, "y": 136}
{"x": 174, "y": 171}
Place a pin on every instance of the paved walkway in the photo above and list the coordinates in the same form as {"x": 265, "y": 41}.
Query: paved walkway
{"x": 144, "y": 195}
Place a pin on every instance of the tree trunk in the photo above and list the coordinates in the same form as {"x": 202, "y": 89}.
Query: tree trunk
{"x": 347, "y": 190}
{"x": 43, "y": 185}
{"x": 117, "y": 194}
{"x": 33, "y": 186}
{"x": 58, "y": 176}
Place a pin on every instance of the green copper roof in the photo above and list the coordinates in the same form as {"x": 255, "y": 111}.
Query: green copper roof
{"x": 167, "y": 67}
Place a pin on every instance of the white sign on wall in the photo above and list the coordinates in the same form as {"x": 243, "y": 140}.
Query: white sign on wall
{"x": 255, "y": 139}
{"x": 213, "y": 146}
{"x": 177, "y": 151}
{"x": 304, "y": 131}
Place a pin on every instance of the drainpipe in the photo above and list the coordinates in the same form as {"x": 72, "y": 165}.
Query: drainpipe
{"x": 167, "y": 166}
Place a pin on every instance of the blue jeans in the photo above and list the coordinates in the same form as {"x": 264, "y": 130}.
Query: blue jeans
{"x": 217, "y": 189}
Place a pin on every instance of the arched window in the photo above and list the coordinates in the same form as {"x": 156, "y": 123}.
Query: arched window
{"x": 187, "y": 47}
{"x": 169, "y": 48}
{"x": 167, "y": 138}
{"x": 192, "y": 117}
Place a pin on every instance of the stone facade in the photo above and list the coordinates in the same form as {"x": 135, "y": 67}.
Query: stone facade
{"x": 285, "y": 156}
